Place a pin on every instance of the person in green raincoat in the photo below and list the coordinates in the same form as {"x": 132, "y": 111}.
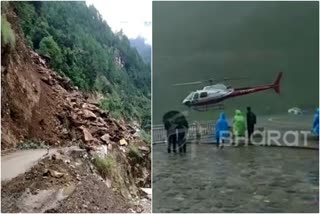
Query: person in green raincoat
{"x": 239, "y": 125}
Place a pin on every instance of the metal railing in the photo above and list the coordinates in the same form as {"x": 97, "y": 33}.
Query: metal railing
{"x": 204, "y": 128}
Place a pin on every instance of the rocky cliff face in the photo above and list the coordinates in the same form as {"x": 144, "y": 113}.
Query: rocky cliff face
{"x": 38, "y": 103}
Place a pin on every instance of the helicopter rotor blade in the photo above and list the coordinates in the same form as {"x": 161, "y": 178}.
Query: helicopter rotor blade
{"x": 188, "y": 83}
{"x": 211, "y": 81}
{"x": 236, "y": 78}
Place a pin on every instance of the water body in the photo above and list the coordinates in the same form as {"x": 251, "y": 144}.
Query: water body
{"x": 246, "y": 179}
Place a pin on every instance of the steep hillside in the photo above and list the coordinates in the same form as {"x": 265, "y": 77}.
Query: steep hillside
{"x": 143, "y": 48}
{"x": 81, "y": 45}
{"x": 40, "y": 106}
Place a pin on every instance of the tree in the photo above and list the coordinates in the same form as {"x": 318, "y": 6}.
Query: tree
{"x": 7, "y": 34}
{"x": 82, "y": 46}
{"x": 49, "y": 47}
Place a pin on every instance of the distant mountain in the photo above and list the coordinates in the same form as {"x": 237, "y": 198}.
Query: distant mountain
{"x": 143, "y": 48}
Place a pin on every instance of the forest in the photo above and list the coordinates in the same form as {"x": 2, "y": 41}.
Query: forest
{"x": 81, "y": 45}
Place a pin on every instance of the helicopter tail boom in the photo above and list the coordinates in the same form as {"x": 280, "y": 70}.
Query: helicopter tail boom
{"x": 248, "y": 90}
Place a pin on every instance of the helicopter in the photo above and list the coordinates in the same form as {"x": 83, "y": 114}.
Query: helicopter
{"x": 213, "y": 95}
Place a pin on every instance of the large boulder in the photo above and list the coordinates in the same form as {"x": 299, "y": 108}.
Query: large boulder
{"x": 105, "y": 138}
{"x": 87, "y": 114}
{"x": 86, "y": 134}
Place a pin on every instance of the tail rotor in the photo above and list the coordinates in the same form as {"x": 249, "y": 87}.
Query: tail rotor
{"x": 276, "y": 83}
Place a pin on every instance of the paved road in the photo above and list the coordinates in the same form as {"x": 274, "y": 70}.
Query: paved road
{"x": 18, "y": 162}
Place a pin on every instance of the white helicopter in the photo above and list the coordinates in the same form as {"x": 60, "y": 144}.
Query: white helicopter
{"x": 213, "y": 95}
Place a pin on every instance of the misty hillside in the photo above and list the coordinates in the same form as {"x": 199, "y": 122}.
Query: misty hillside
{"x": 143, "y": 48}
{"x": 200, "y": 40}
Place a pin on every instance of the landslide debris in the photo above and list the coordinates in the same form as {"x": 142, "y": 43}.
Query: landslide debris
{"x": 61, "y": 183}
{"x": 38, "y": 103}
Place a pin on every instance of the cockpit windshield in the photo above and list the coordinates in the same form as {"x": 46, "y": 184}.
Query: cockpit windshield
{"x": 195, "y": 96}
{"x": 189, "y": 97}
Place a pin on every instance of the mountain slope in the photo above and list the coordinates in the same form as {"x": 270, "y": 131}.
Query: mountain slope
{"x": 96, "y": 151}
{"x": 143, "y": 48}
{"x": 81, "y": 45}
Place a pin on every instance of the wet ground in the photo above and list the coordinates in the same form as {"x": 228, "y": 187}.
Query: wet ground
{"x": 238, "y": 179}
{"x": 59, "y": 183}
{"x": 246, "y": 179}
{"x": 20, "y": 161}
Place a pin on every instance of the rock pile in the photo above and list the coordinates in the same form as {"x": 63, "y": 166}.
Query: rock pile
{"x": 82, "y": 122}
{"x": 96, "y": 125}
{"x": 40, "y": 105}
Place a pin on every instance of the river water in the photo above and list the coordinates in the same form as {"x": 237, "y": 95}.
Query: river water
{"x": 235, "y": 179}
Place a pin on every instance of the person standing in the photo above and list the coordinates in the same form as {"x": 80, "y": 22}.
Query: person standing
{"x": 315, "y": 124}
{"x": 239, "y": 126}
{"x": 177, "y": 128}
{"x": 170, "y": 127}
{"x": 182, "y": 144}
{"x": 198, "y": 132}
{"x": 221, "y": 127}
{"x": 251, "y": 121}
{"x": 182, "y": 127}
{"x": 172, "y": 140}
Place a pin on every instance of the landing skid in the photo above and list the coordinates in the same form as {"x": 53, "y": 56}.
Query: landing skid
{"x": 208, "y": 107}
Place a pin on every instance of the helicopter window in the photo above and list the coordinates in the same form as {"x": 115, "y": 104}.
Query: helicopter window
{"x": 196, "y": 96}
{"x": 190, "y": 96}
{"x": 203, "y": 94}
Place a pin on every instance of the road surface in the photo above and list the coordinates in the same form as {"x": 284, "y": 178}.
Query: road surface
{"x": 16, "y": 163}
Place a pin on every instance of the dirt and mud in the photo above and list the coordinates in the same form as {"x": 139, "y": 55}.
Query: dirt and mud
{"x": 39, "y": 104}
{"x": 61, "y": 183}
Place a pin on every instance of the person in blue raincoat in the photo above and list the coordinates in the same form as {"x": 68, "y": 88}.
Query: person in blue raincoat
{"x": 315, "y": 125}
{"x": 220, "y": 128}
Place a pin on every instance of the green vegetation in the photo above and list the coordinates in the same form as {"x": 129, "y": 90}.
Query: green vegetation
{"x": 108, "y": 167}
{"x": 143, "y": 48}
{"x": 49, "y": 47}
{"x": 31, "y": 144}
{"x": 105, "y": 166}
{"x": 7, "y": 35}
{"x": 134, "y": 153}
{"x": 145, "y": 136}
{"x": 81, "y": 45}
